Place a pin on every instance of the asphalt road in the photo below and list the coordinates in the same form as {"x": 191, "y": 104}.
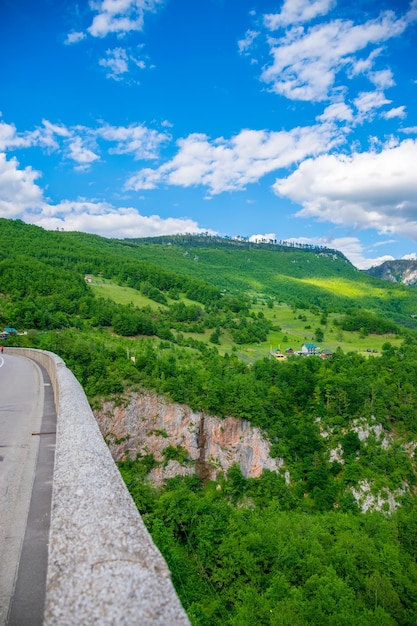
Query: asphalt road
{"x": 27, "y": 443}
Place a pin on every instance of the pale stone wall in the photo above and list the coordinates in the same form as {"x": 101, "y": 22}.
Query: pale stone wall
{"x": 103, "y": 567}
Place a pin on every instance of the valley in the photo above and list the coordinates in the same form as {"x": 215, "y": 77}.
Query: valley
{"x": 279, "y": 492}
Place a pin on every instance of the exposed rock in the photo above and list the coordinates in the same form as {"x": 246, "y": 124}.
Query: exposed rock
{"x": 337, "y": 455}
{"x": 364, "y": 430}
{"x": 399, "y": 271}
{"x": 367, "y": 501}
{"x": 147, "y": 424}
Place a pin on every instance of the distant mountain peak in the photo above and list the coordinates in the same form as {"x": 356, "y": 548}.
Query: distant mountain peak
{"x": 398, "y": 271}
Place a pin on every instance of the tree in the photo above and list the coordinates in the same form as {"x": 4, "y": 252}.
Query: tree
{"x": 318, "y": 335}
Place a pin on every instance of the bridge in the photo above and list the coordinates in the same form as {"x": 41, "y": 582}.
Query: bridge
{"x": 73, "y": 547}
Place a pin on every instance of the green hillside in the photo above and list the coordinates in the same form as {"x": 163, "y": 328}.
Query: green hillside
{"x": 330, "y": 539}
{"x": 298, "y": 276}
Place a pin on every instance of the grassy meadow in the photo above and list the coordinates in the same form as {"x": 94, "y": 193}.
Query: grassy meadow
{"x": 296, "y": 326}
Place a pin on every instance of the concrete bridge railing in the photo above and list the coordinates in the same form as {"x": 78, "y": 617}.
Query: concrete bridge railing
{"x": 103, "y": 567}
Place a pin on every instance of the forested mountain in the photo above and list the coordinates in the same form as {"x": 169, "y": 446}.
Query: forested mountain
{"x": 400, "y": 271}
{"x": 330, "y": 538}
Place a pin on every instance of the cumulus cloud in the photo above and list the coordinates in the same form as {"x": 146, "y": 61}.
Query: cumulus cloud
{"x": 382, "y": 79}
{"x": 296, "y": 11}
{"x": 395, "y": 112}
{"x": 367, "y": 102}
{"x": 375, "y": 189}
{"x": 21, "y": 197}
{"x": 305, "y": 63}
{"x": 18, "y": 189}
{"x": 136, "y": 139}
{"x": 351, "y": 247}
{"x": 120, "y": 16}
{"x": 268, "y": 237}
{"x": 81, "y": 143}
{"x": 230, "y": 164}
{"x": 10, "y": 138}
{"x": 105, "y": 220}
{"x": 80, "y": 153}
{"x": 42, "y": 136}
{"x": 337, "y": 111}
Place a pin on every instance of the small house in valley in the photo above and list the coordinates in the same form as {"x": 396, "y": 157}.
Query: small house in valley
{"x": 326, "y": 354}
{"x": 308, "y": 348}
{"x": 10, "y": 331}
{"x": 278, "y": 356}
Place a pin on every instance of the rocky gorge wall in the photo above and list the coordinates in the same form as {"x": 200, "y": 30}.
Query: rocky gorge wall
{"x": 145, "y": 423}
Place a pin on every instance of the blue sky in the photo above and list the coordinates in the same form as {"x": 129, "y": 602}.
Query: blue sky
{"x": 289, "y": 120}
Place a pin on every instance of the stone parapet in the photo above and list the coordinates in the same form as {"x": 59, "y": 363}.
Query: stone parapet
{"x": 103, "y": 567}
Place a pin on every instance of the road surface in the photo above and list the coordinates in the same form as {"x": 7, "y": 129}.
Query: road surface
{"x": 27, "y": 443}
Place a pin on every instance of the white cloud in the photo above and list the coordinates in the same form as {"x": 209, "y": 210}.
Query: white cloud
{"x": 79, "y": 153}
{"x": 410, "y": 257}
{"x": 105, "y": 220}
{"x": 227, "y": 165}
{"x": 366, "y": 190}
{"x": 395, "y": 112}
{"x": 336, "y": 111}
{"x": 74, "y": 37}
{"x": 382, "y": 79}
{"x": 362, "y": 65}
{"x": 117, "y": 63}
{"x": 351, "y": 247}
{"x": 120, "y": 16}
{"x": 297, "y": 11}
{"x": 246, "y": 43}
{"x": 412, "y": 12}
{"x": 10, "y": 138}
{"x": 43, "y": 136}
{"x": 80, "y": 143}
{"x": 367, "y": 102}
{"x": 268, "y": 237}
{"x": 306, "y": 62}
{"x": 143, "y": 142}
{"x": 55, "y": 129}
{"x": 18, "y": 189}
{"x": 21, "y": 197}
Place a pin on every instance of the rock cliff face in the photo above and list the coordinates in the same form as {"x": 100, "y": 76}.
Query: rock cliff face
{"x": 399, "y": 271}
{"x": 148, "y": 424}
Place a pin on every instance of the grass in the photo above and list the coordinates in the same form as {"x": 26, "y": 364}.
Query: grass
{"x": 346, "y": 288}
{"x": 121, "y": 295}
{"x": 297, "y": 326}
{"x": 294, "y": 331}
{"x": 105, "y": 288}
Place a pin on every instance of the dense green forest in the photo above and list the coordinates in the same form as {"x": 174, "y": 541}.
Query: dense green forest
{"x": 243, "y": 551}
